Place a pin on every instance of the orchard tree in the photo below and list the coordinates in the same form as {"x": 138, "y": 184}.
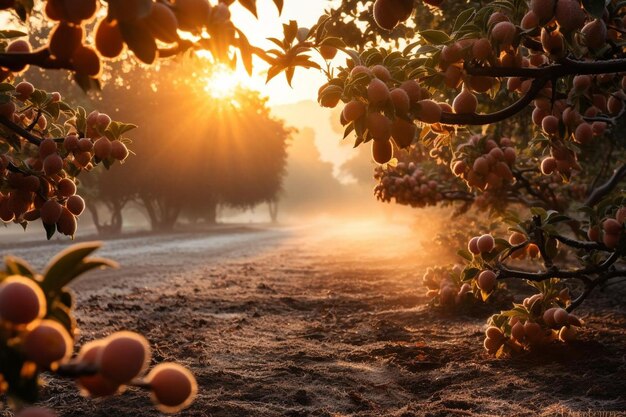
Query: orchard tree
{"x": 460, "y": 95}
{"x": 46, "y": 143}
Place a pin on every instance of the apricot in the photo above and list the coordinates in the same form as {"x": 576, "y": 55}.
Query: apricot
{"x": 548, "y": 165}
{"x": 53, "y": 164}
{"x": 451, "y": 53}
{"x": 487, "y": 280}
{"x": 403, "y": 132}
{"x": 552, "y": 42}
{"x": 614, "y": 105}
{"x": 620, "y": 215}
{"x": 24, "y": 90}
{"x": 55, "y": 10}
{"x": 569, "y": 15}
{"x": 385, "y": 15}
{"x": 413, "y": 90}
{"x": 400, "y": 100}
{"x": 452, "y": 76}
{"x": 76, "y": 11}
{"x": 496, "y": 18}
{"x": 479, "y": 84}
{"x": 47, "y": 343}
{"x": 102, "y": 148}
{"x": 382, "y": 151}
{"x": 64, "y": 40}
{"x": 594, "y": 34}
{"x": 377, "y": 92}
{"x": 35, "y": 412}
{"x": 548, "y": 317}
{"x": 510, "y": 155}
{"x": 328, "y": 52}
{"x": 381, "y": 72}
{"x": 173, "y": 387}
{"x": 550, "y": 125}
{"x": 561, "y": 317}
{"x": 109, "y": 41}
{"x": 86, "y": 61}
{"x": 19, "y": 46}
{"x": 119, "y": 150}
{"x": 50, "y": 212}
{"x": 517, "y": 331}
{"x": 329, "y": 95}
{"x": 162, "y": 23}
{"x": 47, "y": 147}
{"x": 503, "y": 34}
{"x": 70, "y": 143}
{"x": 492, "y": 345}
{"x": 593, "y": 234}
{"x": 360, "y": 69}
{"x": 494, "y": 333}
{"x": 465, "y": 102}
{"x": 354, "y": 110}
{"x": 95, "y": 385}
{"x": 481, "y": 49}
{"x": 517, "y": 238}
{"x": 486, "y": 243}
{"x": 481, "y": 165}
{"x": 21, "y": 300}
{"x": 543, "y": 9}
{"x": 612, "y": 226}
{"x": 472, "y": 245}
{"x": 66, "y": 187}
{"x": 75, "y": 204}
{"x": 85, "y": 145}
{"x": 583, "y": 133}
{"x": 124, "y": 357}
{"x": 67, "y": 224}
{"x": 611, "y": 241}
{"x": 530, "y": 20}
{"x": 428, "y": 111}
{"x": 220, "y": 14}
{"x": 533, "y": 251}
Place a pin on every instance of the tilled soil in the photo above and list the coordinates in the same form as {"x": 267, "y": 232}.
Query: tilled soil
{"x": 326, "y": 320}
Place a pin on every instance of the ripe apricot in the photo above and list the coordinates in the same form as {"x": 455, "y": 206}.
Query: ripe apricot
{"x": 612, "y": 226}
{"x": 379, "y": 126}
{"x": 53, "y": 164}
{"x": 569, "y": 15}
{"x": 487, "y": 280}
{"x": 95, "y": 385}
{"x": 517, "y": 331}
{"x": 377, "y": 92}
{"x": 548, "y": 317}
{"x": 486, "y": 243}
{"x": 162, "y": 23}
{"x": 614, "y": 105}
{"x": 465, "y": 102}
{"x": 533, "y": 251}
{"x": 173, "y": 387}
{"x": 583, "y": 133}
{"x": 21, "y": 300}
{"x": 119, "y": 151}
{"x": 543, "y": 9}
{"x": 481, "y": 49}
{"x": 24, "y": 90}
{"x": 76, "y": 11}
{"x": 400, "y": 100}
{"x": 354, "y": 110}
{"x": 47, "y": 343}
{"x": 492, "y": 345}
{"x": 428, "y": 111}
{"x": 503, "y": 34}
{"x": 413, "y": 90}
{"x": 494, "y": 333}
{"x": 517, "y": 238}
{"x": 548, "y": 165}
{"x": 19, "y": 46}
{"x": 328, "y": 52}
{"x": 472, "y": 245}
{"x": 594, "y": 34}
{"x": 64, "y": 40}
{"x": 75, "y": 204}
{"x": 561, "y": 317}
{"x": 529, "y": 21}
{"x": 550, "y": 125}
{"x": 403, "y": 132}
{"x": 451, "y": 53}
{"x": 452, "y": 76}
{"x": 85, "y": 145}
{"x": 382, "y": 151}
{"x": 70, "y": 143}
{"x": 102, "y": 148}
{"x": 124, "y": 357}
{"x": 611, "y": 241}
{"x": 510, "y": 155}
{"x": 552, "y": 42}
{"x": 381, "y": 72}
{"x": 50, "y": 212}
{"x": 67, "y": 224}
{"x": 47, "y": 147}
{"x": 385, "y": 15}
{"x": 86, "y": 61}
{"x": 479, "y": 84}
{"x": 109, "y": 41}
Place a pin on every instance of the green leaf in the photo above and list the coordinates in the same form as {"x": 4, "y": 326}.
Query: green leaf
{"x": 465, "y": 254}
{"x": 437, "y": 37}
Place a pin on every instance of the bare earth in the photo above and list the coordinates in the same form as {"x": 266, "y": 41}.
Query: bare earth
{"x": 325, "y": 320}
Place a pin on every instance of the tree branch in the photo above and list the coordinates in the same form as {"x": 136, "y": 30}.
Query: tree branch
{"x": 600, "y": 192}
{"x": 19, "y": 130}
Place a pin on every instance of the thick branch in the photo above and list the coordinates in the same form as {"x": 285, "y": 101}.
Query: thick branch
{"x": 600, "y": 192}
{"x": 19, "y": 130}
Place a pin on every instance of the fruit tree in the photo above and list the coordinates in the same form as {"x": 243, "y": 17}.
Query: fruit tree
{"x": 513, "y": 106}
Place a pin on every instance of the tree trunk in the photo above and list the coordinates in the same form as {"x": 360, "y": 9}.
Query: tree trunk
{"x": 211, "y": 213}
{"x": 273, "y": 208}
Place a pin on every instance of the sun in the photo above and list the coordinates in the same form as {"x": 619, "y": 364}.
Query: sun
{"x": 222, "y": 83}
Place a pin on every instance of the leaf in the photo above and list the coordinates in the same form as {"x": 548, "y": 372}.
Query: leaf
{"x": 334, "y": 42}
{"x": 250, "y": 5}
{"x": 465, "y": 254}
{"x": 140, "y": 41}
{"x": 4, "y": 87}
{"x": 435, "y": 36}
{"x": 8, "y": 34}
{"x": 279, "y": 5}
{"x": 18, "y": 266}
{"x": 68, "y": 264}
{"x": 86, "y": 83}
{"x": 462, "y": 19}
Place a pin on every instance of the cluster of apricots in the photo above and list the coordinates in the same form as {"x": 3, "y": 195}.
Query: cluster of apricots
{"x": 407, "y": 184}
{"x": 38, "y": 339}
{"x": 533, "y": 326}
{"x": 39, "y": 181}
{"x": 530, "y": 250}
{"x": 485, "y": 164}
{"x": 611, "y": 231}
{"x": 445, "y": 286}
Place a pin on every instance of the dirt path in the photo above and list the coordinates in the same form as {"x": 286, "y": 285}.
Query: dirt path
{"x": 326, "y": 320}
